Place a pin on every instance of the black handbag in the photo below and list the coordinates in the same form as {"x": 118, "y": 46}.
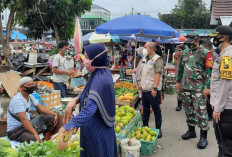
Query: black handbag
{"x": 37, "y": 122}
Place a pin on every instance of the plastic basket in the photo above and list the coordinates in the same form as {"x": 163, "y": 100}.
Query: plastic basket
{"x": 147, "y": 147}
{"x": 36, "y": 95}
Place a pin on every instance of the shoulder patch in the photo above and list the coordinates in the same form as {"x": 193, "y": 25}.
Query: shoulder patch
{"x": 209, "y": 60}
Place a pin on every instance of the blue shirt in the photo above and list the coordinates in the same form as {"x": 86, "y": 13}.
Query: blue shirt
{"x": 19, "y": 104}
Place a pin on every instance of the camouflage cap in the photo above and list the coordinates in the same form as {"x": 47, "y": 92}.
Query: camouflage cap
{"x": 222, "y": 30}
{"x": 192, "y": 37}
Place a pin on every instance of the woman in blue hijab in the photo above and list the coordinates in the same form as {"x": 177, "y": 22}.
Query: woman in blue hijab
{"x": 97, "y": 107}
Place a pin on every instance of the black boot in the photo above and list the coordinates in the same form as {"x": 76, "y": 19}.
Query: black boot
{"x": 191, "y": 133}
{"x": 203, "y": 140}
{"x": 158, "y": 126}
{"x": 179, "y": 106}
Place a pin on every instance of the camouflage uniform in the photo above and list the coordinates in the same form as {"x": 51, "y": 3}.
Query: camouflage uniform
{"x": 179, "y": 95}
{"x": 196, "y": 77}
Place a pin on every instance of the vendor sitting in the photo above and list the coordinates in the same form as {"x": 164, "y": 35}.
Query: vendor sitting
{"x": 123, "y": 60}
{"x": 21, "y": 130}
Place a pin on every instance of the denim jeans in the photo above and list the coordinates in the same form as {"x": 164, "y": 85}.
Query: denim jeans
{"x": 148, "y": 100}
{"x": 62, "y": 87}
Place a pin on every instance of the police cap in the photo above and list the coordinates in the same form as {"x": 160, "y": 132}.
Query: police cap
{"x": 222, "y": 30}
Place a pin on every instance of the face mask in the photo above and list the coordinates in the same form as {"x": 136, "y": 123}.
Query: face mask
{"x": 87, "y": 63}
{"x": 29, "y": 90}
{"x": 65, "y": 52}
{"x": 217, "y": 42}
{"x": 145, "y": 52}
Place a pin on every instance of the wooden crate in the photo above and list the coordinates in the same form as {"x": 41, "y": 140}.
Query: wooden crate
{"x": 128, "y": 103}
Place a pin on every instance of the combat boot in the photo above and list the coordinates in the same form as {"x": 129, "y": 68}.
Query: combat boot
{"x": 191, "y": 133}
{"x": 203, "y": 140}
{"x": 158, "y": 126}
{"x": 179, "y": 106}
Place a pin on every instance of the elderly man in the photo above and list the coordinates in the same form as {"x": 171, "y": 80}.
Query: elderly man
{"x": 19, "y": 127}
{"x": 151, "y": 83}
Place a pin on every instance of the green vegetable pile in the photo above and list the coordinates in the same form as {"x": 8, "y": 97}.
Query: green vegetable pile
{"x": 6, "y": 150}
{"x": 47, "y": 149}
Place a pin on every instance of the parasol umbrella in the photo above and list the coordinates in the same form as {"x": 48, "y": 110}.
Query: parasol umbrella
{"x": 140, "y": 26}
{"x": 100, "y": 38}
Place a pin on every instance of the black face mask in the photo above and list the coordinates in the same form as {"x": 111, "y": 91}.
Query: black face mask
{"x": 217, "y": 42}
{"x": 191, "y": 45}
{"x": 29, "y": 90}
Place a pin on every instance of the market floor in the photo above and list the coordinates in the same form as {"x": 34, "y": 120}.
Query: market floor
{"x": 173, "y": 127}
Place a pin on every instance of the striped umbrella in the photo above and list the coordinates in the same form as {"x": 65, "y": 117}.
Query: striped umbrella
{"x": 77, "y": 38}
{"x": 92, "y": 37}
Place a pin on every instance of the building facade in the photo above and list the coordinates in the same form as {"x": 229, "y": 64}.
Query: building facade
{"x": 4, "y": 18}
{"x": 90, "y": 20}
{"x": 221, "y": 12}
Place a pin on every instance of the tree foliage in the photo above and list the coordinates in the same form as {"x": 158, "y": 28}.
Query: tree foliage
{"x": 188, "y": 14}
{"x": 14, "y": 6}
{"x": 56, "y": 15}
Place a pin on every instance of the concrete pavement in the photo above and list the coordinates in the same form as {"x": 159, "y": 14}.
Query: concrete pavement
{"x": 173, "y": 127}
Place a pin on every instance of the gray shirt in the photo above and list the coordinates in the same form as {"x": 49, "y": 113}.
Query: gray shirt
{"x": 59, "y": 62}
{"x": 221, "y": 89}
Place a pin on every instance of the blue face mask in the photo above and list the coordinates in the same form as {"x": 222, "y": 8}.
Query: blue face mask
{"x": 139, "y": 56}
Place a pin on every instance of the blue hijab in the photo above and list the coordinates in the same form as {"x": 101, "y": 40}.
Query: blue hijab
{"x": 100, "y": 87}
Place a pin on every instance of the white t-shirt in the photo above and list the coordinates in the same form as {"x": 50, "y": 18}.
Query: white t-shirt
{"x": 19, "y": 104}
{"x": 59, "y": 62}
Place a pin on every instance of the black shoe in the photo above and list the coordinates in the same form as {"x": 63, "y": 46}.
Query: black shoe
{"x": 158, "y": 126}
{"x": 191, "y": 133}
{"x": 145, "y": 124}
{"x": 179, "y": 106}
{"x": 160, "y": 134}
{"x": 203, "y": 140}
{"x": 210, "y": 118}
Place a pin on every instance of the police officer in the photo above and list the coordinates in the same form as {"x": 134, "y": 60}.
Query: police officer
{"x": 151, "y": 83}
{"x": 195, "y": 74}
{"x": 221, "y": 90}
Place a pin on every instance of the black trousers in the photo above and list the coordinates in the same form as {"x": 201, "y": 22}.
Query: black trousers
{"x": 223, "y": 133}
{"x": 148, "y": 100}
{"x": 209, "y": 109}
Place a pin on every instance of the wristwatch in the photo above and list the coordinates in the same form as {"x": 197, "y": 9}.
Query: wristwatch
{"x": 155, "y": 88}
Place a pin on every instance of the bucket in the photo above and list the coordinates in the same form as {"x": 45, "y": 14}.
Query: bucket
{"x": 130, "y": 151}
{"x": 32, "y": 58}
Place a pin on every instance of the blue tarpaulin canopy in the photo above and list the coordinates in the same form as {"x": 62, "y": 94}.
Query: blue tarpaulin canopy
{"x": 20, "y": 36}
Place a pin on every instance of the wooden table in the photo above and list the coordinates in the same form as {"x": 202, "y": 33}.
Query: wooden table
{"x": 33, "y": 68}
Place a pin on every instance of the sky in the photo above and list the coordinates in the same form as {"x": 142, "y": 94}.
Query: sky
{"x": 151, "y": 7}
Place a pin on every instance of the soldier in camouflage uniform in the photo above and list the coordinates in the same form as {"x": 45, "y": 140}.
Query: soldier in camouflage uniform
{"x": 194, "y": 72}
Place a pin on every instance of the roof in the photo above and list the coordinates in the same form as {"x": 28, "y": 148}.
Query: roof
{"x": 94, "y": 6}
{"x": 221, "y": 8}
